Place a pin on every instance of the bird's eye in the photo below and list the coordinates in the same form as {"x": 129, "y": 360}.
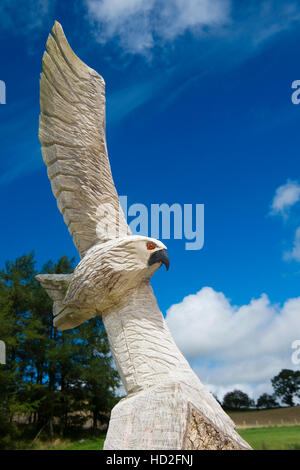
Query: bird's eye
{"x": 150, "y": 246}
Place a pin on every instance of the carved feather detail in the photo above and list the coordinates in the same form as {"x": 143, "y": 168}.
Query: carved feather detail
{"x": 72, "y": 134}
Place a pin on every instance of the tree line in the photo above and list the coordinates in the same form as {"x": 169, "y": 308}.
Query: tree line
{"x": 52, "y": 381}
{"x": 286, "y": 386}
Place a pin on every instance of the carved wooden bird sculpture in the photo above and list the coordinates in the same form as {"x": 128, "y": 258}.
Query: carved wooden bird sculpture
{"x": 166, "y": 407}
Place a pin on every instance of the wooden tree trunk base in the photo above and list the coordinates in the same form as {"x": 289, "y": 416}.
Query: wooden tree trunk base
{"x": 166, "y": 417}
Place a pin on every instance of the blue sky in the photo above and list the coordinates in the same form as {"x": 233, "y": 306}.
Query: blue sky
{"x": 199, "y": 92}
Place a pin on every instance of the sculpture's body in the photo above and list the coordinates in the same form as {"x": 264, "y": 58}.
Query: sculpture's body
{"x": 167, "y": 406}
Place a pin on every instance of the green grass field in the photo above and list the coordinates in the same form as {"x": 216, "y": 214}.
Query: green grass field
{"x": 276, "y": 429}
{"x": 273, "y": 438}
{"x": 83, "y": 444}
{"x": 93, "y": 443}
{"x": 268, "y": 438}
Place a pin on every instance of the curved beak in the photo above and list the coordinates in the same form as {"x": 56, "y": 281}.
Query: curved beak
{"x": 160, "y": 256}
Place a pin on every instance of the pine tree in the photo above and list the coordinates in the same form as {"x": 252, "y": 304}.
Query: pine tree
{"x": 50, "y": 376}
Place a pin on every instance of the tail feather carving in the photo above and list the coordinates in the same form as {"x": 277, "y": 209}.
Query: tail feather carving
{"x": 64, "y": 316}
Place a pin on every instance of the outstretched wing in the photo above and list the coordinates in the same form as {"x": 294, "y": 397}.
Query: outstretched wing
{"x": 72, "y": 134}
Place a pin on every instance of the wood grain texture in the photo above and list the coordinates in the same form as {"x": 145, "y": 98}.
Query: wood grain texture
{"x": 72, "y": 134}
{"x": 201, "y": 434}
{"x": 167, "y": 406}
{"x": 160, "y": 384}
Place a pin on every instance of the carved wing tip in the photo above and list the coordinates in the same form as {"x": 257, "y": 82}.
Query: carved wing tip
{"x": 82, "y": 69}
{"x": 56, "y": 25}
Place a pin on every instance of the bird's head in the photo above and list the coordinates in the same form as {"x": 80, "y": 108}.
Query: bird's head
{"x": 141, "y": 253}
{"x": 110, "y": 271}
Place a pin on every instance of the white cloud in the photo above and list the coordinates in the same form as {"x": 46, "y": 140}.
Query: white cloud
{"x": 138, "y": 23}
{"x": 285, "y": 197}
{"x": 235, "y": 347}
{"x": 181, "y": 15}
{"x": 295, "y": 252}
{"x": 129, "y": 21}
